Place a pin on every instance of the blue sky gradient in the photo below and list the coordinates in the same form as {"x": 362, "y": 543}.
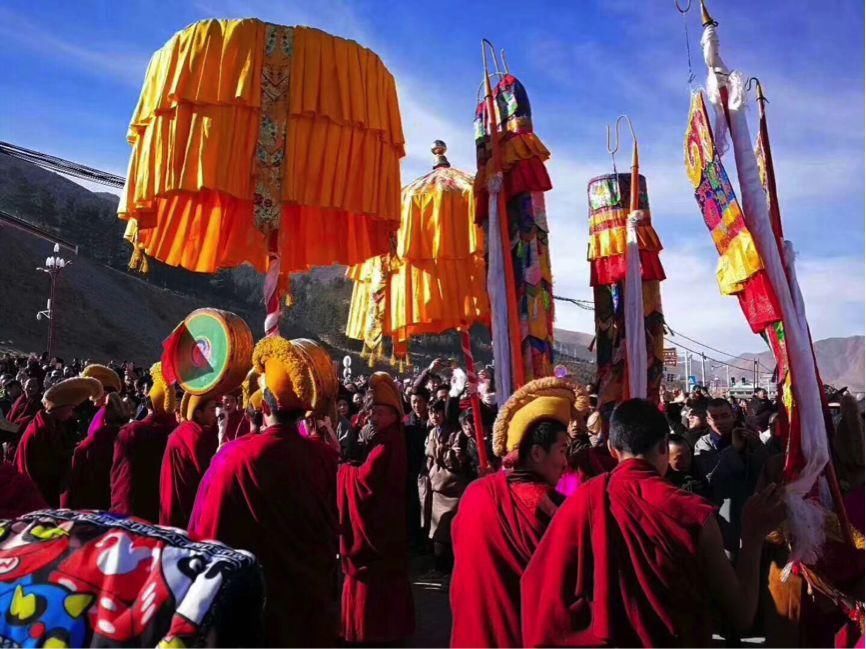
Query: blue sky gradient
{"x": 70, "y": 75}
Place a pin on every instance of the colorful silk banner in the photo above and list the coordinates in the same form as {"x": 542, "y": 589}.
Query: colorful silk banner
{"x": 740, "y": 270}
{"x": 608, "y": 214}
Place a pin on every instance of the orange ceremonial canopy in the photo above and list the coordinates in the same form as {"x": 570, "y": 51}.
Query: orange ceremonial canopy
{"x": 434, "y": 280}
{"x": 263, "y": 144}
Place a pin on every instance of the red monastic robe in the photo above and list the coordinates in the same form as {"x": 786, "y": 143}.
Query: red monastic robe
{"x": 274, "y": 494}
{"x": 24, "y": 410}
{"x": 377, "y": 604}
{"x": 618, "y": 566}
{"x": 18, "y": 494}
{"x": 188, "y": 454}
{"x": 43, "y": 456}
{"x": 89, "y": 484}
{"x": 499, "y": 523}
{"x": 135, "y": 469}
{"x": 237, "y": 425}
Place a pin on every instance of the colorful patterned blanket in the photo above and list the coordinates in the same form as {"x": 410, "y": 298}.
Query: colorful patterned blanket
{"x": 90, "y": 579}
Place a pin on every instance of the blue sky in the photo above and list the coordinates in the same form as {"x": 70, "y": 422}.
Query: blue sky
{"x": 70, "y": 73}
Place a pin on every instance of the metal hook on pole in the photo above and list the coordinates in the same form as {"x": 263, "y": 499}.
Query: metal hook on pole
{"x": 504, "y": 60}
{"x": 613, "y": 151}
{"x": 485, "y": 46}
{"x": 759, "y": 90}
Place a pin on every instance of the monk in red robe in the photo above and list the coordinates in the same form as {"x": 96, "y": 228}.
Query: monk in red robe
{"x": 188, "y": 453}
{"x": 631, "y": 560}
{"x": 89, "y": 485}
{"x": 138, "y": 453}
{"x": 377, "y": 597}
{"x": 26, "y": 405}
{"x": 18, "y": 495}
{"x": 274, "y": 494}
{"x": 503, "y": 516}
{"x": 45, "y": 449}
{"x": 232, "y": 422}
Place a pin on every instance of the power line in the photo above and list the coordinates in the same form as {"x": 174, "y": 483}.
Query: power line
{"x": 583, "y": 304}
{"x": 587, "y": 305}
{"x": 67, "y": 167}
{"x": 697, "y": 342}
{"x": 709, "y": 358}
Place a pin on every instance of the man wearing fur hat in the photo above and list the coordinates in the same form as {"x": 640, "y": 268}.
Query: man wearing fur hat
{"x": 188, "y": 453}
{"x": 502, "y": 517}
{"x": 138, "y": 453}
{"x": 377, "y": 605}
{"x": 89, "y": 485}
{"x": 45, "y": 449}
{"x": 274, "y": 494}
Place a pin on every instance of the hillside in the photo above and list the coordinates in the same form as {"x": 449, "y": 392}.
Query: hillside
{"x": 840, "y": 361}
{"x": 104, "y": 311}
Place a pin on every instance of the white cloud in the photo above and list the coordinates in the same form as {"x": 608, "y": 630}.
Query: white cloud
{"x": 817, "y": 139}
{"x": 112, "y": 59}
{"x": 833, "y": 290}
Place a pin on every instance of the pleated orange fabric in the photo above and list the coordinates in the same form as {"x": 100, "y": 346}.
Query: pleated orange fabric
{"x": 435, "y": 280}
{"x": 244, "y": 127}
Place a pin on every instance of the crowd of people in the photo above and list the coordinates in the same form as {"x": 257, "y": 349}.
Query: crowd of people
{"x": 570, "y": 527}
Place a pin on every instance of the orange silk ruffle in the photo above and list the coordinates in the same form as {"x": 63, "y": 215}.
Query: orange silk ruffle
{"x": 196, "y": 134}
{"x": 212, "y": 230}
{"x": 362, "y": 295}
{"x": 436, "y": 280}
{"x": 516, "y": 148}
{"x": 438, "y": 218}
{"x": 435, "y": 296}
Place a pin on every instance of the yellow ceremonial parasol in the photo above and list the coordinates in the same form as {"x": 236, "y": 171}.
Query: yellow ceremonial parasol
{"x": 434, "y": 280}
{"x": 263, "y": 144}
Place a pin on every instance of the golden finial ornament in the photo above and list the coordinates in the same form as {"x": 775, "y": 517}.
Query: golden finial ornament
{"x": 438, "y": 150}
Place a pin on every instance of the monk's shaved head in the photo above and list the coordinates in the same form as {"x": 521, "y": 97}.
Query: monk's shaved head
{"x": 637, "y": 427}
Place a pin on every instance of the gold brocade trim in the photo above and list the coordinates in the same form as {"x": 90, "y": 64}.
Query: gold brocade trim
{"x": 612, "y": 242}
{"x": 738, "y": 263}
{"x": 271, "y": 143}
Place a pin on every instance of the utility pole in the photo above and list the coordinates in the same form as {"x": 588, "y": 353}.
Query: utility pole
{"x": 703, "y": 369}
{"x": 685, "y": 373}
{"x": 755, "y": 370}
{"x": 688, "y": 369}
{"x": 53, "y": 265}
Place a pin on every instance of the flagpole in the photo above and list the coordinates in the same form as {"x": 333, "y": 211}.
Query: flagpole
{"x": 517, "y": 366}
{"x": 466, "y": 345}
{"x": 829, "y": 469}
{"x": 776, "y": 223}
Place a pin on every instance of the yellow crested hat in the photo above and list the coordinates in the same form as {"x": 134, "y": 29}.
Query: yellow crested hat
{"x": 385, "y": 392}
{"x": 189, "y": 402}
{"x": 162, "y": 396}
{"x": 71, "y": 392}
{"x": 545, "y": 398}
{"x": 286, "y": 373}
{"x": 251, "y": 384}
{"x": 255, "y": 400}
{"x": 109, "y": 379}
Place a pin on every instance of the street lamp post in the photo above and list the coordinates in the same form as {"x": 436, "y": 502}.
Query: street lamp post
{"x": 53, "y": 265}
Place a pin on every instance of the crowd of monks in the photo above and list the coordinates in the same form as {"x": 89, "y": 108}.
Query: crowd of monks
{"x": 629, "y": 558}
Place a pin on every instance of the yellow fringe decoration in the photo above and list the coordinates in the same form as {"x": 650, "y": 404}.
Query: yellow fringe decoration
{"x": 275, "y": 347}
